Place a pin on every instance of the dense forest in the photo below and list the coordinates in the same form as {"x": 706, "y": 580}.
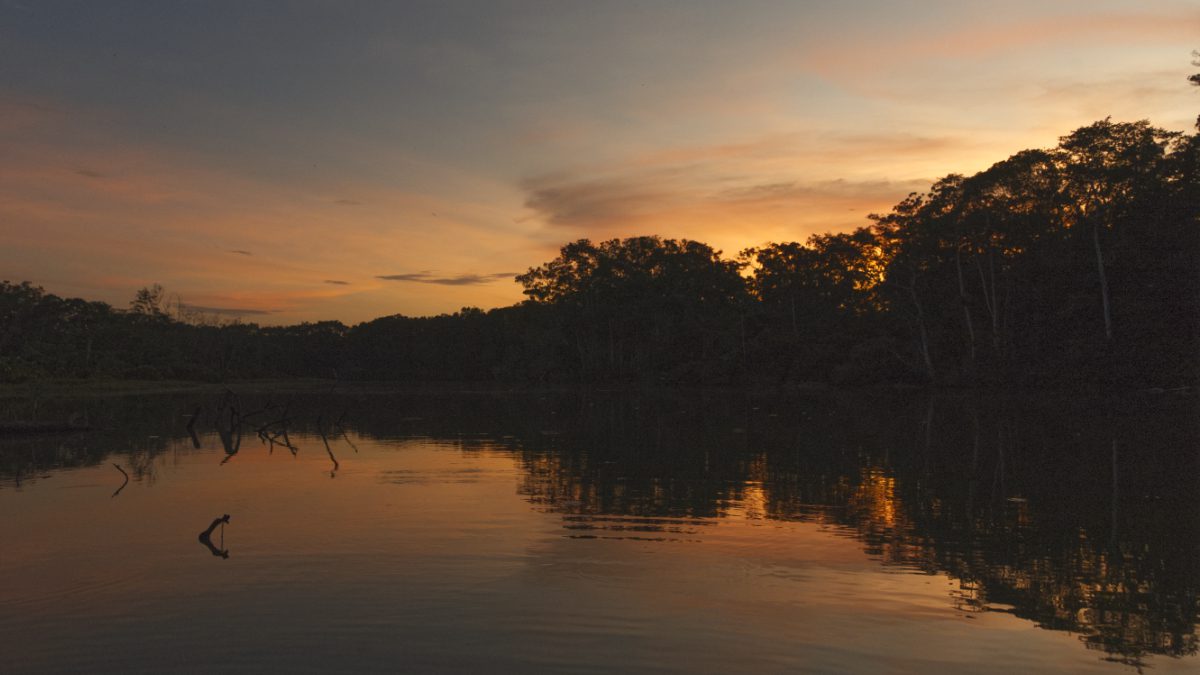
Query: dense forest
{"x": 1077, "y": 264}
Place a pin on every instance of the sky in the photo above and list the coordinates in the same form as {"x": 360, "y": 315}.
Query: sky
{"x": 300, "y": 161}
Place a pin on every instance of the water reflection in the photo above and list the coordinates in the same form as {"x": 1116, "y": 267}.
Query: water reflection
{"x": 1077, "y": 515}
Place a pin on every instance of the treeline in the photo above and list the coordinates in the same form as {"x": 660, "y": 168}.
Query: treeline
{"x": 1077, "y": 264}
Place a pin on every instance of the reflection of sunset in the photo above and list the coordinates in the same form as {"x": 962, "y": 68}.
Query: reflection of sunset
{"x": 876, "y": 496}
{"x": 754, "y": 501}
{"x": 448, "y": 521}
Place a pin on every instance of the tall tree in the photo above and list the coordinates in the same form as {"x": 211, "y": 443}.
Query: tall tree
{"x": 1106, "y": 166}
{"x": 149, "y": 301}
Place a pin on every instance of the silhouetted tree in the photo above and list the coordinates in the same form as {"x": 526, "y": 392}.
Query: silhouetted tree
{"x": 634, "y": 306}
{"x": 149, "y": 301}
{"x": 1068, "y": 265}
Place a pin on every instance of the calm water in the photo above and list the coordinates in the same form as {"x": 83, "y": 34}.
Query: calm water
{"x": 593, "y": 531}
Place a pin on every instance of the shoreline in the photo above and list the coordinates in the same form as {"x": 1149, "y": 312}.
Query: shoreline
{"x": 103, "y": 388}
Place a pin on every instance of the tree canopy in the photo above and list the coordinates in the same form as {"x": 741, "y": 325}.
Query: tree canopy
{"x": 1055, "y": 266}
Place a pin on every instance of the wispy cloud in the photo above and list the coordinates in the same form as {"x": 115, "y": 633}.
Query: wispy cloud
{"x": 599, "y": 204}
{"x": 840, "y": 192}
{"x": 459, "y": 280}
{"x": 777, "y": 180}
{"x": 346, "y": 202}
{"x": 226, "y": 311}
{"x": 789, "y": 148}
{"x": 166, "y": 217}
{"x": 586, "y": 202}
{"x": 981, "y": 39}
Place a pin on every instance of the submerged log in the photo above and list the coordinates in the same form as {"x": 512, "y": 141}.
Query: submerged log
{"x": 206, "y": 537}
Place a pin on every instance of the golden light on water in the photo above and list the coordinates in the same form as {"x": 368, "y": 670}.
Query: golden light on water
{"x": 876, "y": 497}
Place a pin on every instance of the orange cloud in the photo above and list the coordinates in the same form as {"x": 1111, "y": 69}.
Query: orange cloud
{"x": 743, "y": 193}
{"x": 101, "y": 217}
{"x": 986, "y": 37}
{"x": 688, "y": 204}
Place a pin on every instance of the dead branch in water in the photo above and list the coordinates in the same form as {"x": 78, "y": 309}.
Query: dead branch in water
{"x": 206, "y": 537}
{"x": 325, "y": 440}
{"x": 191, "y": 428}
{"x": 275, "y": 432}
{"x": 231, "y": 433}
{"x": 118, "y": 466}
{"x": 346, "y": 438}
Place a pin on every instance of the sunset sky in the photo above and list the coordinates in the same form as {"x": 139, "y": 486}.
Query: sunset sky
{"x": 298, "y": 161}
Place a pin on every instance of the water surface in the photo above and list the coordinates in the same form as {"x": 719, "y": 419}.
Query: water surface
{"x": 604, "y": 531}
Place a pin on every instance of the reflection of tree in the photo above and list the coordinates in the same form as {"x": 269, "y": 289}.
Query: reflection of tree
{"x": 1014, "y": 499}
{"x": 1024, "y": 530}
{"x": 140, "y": 428}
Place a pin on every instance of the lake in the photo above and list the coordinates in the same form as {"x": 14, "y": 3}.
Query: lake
{"x": 602, "y": 531}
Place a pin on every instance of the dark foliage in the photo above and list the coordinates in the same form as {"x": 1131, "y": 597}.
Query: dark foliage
{"x": 1075, "y": 264}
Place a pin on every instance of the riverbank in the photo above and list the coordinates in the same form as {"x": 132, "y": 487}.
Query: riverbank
{"x": 61, "y": 388}
{"x": 74, "y": 388}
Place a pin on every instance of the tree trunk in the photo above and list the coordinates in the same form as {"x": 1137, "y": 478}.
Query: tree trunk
{"x": 989, "y": 301}
{"x": 962, "y": 299}
{"x": 745, "y": 358}
{"x": 1113, "y": 534}
{"x": 922, "y": 333}
{"x": 795, "y": 326}
{"x": 582, "y": 352}
{"x": 1108, "y": 333}
{"x": 611, "y": 347}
